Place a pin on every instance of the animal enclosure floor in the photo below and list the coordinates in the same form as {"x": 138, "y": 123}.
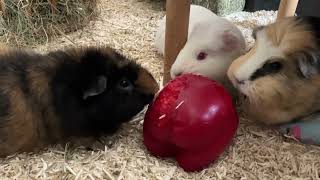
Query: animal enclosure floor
{"x": 129, "y": 25}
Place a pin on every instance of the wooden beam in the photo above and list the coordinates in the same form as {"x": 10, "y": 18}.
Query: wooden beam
{"x": 287, "y": 8}
{"x": 176, "y": 33}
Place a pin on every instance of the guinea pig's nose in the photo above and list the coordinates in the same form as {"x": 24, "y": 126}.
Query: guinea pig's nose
{"x": 235, "y": 80}
{"x": 178, "y": 74}
{"x": 239, "y": 81}
{"x": 149, "y": 98}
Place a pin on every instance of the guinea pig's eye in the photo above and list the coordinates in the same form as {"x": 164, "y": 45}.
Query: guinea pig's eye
{"x": 202, "y": 56}
{"x": 125, "y": 84}
{"x": 267, "y": 68}
{"x": 274, "y": 66}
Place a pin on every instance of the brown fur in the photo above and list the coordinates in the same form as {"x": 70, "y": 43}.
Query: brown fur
{"x": 284, "y": 96}
{"x": 24, "y": 129}
{"x": 32, "y": 123}
{"x": 39, "y": 86}
{"x": 239, "y": 61}
{"x": 291, "y": 35}
{"x": 145, "y": 83}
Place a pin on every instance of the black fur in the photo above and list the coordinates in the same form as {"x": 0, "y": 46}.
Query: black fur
{"x": 98, "y": 114}
{"x": 53, "y": 98}
{"x": 270, "y": 67}
{"x": 314, "y": 22}
{"x": 4, "y": 105}
{"x": 14, "y": 66}
{"x": 308, "y": 60}
{"x": 308, "y": 63}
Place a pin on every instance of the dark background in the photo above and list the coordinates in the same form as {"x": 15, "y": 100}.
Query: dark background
{"x": 305, "y": 7}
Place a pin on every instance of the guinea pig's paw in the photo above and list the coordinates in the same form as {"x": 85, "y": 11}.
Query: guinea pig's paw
{"x": 89, "y": 143}
{"x": 99, "y": 145}
{"x": 230, "y": 41}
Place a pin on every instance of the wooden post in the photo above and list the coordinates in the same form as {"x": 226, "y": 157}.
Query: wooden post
{"x": 287, "y": 8}
{"x": 176, "y": 33}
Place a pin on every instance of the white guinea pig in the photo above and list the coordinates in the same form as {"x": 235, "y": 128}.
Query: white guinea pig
{"x": 213, "y": 43}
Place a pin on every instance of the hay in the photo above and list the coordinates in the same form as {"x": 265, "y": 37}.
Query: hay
{"x": 27, "y": 23}
{"x": 222, "y": 7}
{"x": 129, "y": 25}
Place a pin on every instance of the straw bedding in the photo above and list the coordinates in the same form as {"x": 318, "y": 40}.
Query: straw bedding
{"x": 129, "y": 25}
{"x": 28, "y": 23}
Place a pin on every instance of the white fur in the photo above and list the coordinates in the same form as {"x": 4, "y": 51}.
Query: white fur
{"x": 265, "y": 51}
{"x": 206, "y": 31}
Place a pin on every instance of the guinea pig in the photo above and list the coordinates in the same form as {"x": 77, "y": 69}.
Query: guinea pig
{"x": 64, "y": 94}
{"x": 279, "y": 77}
{"x": 213, "y": 43}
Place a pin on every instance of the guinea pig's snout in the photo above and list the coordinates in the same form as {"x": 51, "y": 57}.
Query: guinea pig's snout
{"x": 176, "y": 70}
{"x": 175, "y": 74}
{"x": 149, "y": 98}
{"x": 235, "y": 80}
{"x": 240, "y": 82}
{"x": 232, "y": 78}
{"x": 178, "y": 74}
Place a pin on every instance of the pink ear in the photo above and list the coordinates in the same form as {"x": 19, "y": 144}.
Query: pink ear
{"x": 230, "y": 41}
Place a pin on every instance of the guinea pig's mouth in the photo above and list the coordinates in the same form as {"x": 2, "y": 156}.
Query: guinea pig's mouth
{"x": 242, "y": 97}
{"x": 149, "y": 98}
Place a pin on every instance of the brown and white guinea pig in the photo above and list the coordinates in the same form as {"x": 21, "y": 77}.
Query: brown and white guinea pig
{"x": 77, "y": 92}
{"x": 279, "y": 77}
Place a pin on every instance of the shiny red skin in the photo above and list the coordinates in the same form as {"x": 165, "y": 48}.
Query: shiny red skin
{"x": 200, "y": 122}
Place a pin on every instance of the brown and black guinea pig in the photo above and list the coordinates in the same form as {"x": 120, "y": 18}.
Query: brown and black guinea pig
{"x": 279, "y": 79}
{"x": 73, "y": 93}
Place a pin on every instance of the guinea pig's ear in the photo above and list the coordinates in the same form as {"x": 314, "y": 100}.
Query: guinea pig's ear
{"x": 97, "y": 86}
{"x": 308, "y": 63}
{"x": 230, "y": 41}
